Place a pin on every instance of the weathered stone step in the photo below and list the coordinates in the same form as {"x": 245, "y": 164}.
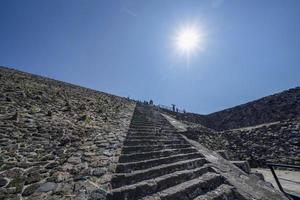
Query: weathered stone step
{"x": 141, "y": 122}
{"x": 119, "y": 180}
{"x": 140, "y": 118}
{"x": 138, "y": 126}
{"x": 153, "y": 137}
{"x": 144, "y": 142}
{"x": 167, "y": 134}
{"x": 134, "y": 120}
{"x": 132, "y": 149}
{"x": 154, "y": 154}
{"x": 150, "y": 124}
{"x": 160, "y": 183}
{"x": 145, "y": 134}
{"x": 129, "y": 167}
{"x": 151, "y": 131}
{"x": 190, "y": 189}
{"x": 147, "y": 126}
{"x": 150, "y": 127}
{"x": 223, "y": 192}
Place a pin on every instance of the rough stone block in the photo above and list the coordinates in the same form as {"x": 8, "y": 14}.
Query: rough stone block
{"x": 243, "y": 165}
{"x": 223, "y": 153}
{"x": 259, "y": 175}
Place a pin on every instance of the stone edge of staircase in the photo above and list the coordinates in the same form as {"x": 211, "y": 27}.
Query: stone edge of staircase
{"x": 249, "y": 186}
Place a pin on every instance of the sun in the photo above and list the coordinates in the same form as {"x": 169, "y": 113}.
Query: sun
{"x": 188, "y": 39}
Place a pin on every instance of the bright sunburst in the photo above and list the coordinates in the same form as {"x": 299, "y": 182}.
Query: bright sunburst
{"x": 188, "y": 39}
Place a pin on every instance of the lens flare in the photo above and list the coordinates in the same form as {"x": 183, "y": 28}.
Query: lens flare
{"x": 188, "y": 39}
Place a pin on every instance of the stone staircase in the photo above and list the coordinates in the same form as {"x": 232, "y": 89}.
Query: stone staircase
{"x": 158, "y": 163}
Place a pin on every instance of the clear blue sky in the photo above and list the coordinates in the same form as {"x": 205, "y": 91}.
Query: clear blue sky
{"x": 252, "y": 48}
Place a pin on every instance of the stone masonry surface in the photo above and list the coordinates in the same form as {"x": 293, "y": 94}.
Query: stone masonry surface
{"x": 273, "y": 142}
{"x": 265, "y": 130}
{"x": 278, "y": 107}
{"x": 61, "y": 141}
{"x": 57, "y": 140}
{"x": 158, "y": 163}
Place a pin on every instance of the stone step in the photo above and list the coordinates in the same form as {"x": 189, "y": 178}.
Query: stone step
{"x": 144, "y": 142}
{"x": 153, "y": 137}
{"x": 134, "y": 120}
{"x": 148, "y": 187}
{"x": 136, "y": 123}
{"x": 139, "y": 149}
{"x": 151, "y": 131}
{"x": 119, "y": 180}
{"x": 154, "y": 154}
{"x": 223, "y": 192}
{"x": 142, "y": 125}
{"x": 190, "y": 189}
{"x": 140, "y": 117}
{"x": 150, "y": 128}
{"x": 166, "y": 134}
{"x": 157, "y": 134}
{"x": 145, "y": 164}
{"x": 138, "y": 126}
{"x": 141, "y": 122}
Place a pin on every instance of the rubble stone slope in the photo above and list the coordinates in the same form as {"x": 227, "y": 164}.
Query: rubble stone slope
{"x": 265, "y": 130}
{"x": 277, "y": 107}
{"x": 57, "y": 140}
{"x": 274, "y": 142}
